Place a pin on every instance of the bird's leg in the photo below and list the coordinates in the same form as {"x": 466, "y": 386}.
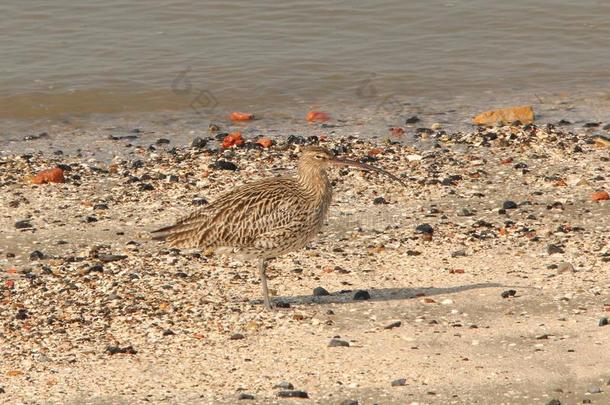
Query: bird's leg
{"x": 262, "y": 266}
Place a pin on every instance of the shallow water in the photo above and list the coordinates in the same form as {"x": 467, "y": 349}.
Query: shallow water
{"x": 69, "y": 57}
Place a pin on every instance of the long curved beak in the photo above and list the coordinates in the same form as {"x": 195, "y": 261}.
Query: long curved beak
{"x": 365, "y": 167}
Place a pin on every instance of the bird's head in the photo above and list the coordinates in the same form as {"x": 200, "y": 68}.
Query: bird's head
{"x": 319, "y": 157}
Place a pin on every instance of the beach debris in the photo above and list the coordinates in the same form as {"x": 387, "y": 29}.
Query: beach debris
{"x": 241, "y": 116}
{"x": 523, "y": 114}
{"x": 233, "y": 139}
{"x": 317, "y": 116}
{"x": 55, "y": 175}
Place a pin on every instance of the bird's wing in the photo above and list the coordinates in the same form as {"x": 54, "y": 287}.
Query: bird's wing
{"x": 237, "y": 218}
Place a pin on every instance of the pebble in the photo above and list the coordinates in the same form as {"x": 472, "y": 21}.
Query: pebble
{"x": 292, "y": 394}
{"x": 565, "y": 267}
{"x": 23, "y": 224}
{"x": 245, "y": 395}
{"x": 362, "y": 295}
{"x": 603, "y": 321}
{"x": 284, "y": 385}
{"x": 349, "y": 402}
{"x": 393, "y": 324}
{"x": 399, "y": 382}
{"x": 198, "y": 143}
{"x": 379, "y": 201}
{"x": 224, "y": 165}
{"x": 594, "y": 390}
{"x": 509, "y": 205}
{"x": 554, "y": 402}
{"x": 509, "y": 293}
{"x": 320, "y": 291}
{"x": 168, "y": 332}
{"x": 162, "y": 141}
{"x": 424, "y": 228}
{"x": 22, "y": 314}
{"x": 36, "y": 255}
{"x": 116, "y": 350}
{"x": 552, "y": 249}
{"x": 338, "y": 343}
{"x": 458, "y": 253}
{"x": 237, "y": 336}
{"x": 412, "y": 120}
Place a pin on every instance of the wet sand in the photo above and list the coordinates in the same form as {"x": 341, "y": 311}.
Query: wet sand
{"x": 102, "y": 314}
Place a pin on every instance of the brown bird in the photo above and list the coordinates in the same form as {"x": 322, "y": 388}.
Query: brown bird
{"x": 266, "y": 218}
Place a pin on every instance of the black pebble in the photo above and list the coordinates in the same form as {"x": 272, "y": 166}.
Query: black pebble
{"x": 199, "y": 201}
{"x": 554, "y": 402}
{"x": 136, "y": 164}
{"x": 162, "y": 141}
{"x": 338, "y": 343}
{"x": 509, "y": 293}
{"x": 362, "y": 295}
{"x": 237, "y": 336}
{"x": 198, "y": 143}
{"x": 100, "y": 207}
{"x": 603, "y": 321}
{"x": 320, "y": 291}
{"x": 36, "y": 255}
{"x": 349, "y": 402}
{"x": 412, "y": 120}
{"x": 552, "y": 249}
{"x": 22, "y": 314}
{"x": 224, "y": 165}
{"x": 245, "y": 395}
{"x": 146, "y": 187}
{"x": 90, "y": 219}
{"x": 509, "y": 205}
{"x": 116, "y": 349}
{"x": 292, "y": 394}
{"x": 99, "y": 268}
{"x": 380, "y": 200}
{"x": 23, "y": 224}
{"x": 399, "y": 382}
{"x": 168, "y": 332}
{"x": 424, "y": 228}
{"x": 282, "y": 304}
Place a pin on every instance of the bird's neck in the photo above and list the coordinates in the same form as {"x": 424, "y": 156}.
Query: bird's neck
{"x": 314, "y": 182}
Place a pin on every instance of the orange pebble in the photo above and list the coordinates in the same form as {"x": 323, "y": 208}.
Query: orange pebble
{"x": 240, "y": 116}
{"x": 265, "y": 142}
{"x": 375, "y": 151}
{"x": 317, "y": 116}
{"x": 55, "y": 175}
{"x": 397, "y": 132}
{"x": 234, "y": 138}
{"x": 600, "y": 196}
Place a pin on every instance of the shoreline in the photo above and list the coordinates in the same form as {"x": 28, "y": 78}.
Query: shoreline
{"x": 100, "y": 287}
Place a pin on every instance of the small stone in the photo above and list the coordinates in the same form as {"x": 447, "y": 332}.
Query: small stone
{"x": 554, "y": 402}
{"x": 509, "y": 293}
{"x": 23, "y": 224}
{"x": 338, "y": 343}
{"x": 162, "y": 141}
{"x": 198, "y": 143}
{"x": 36, "y": 255}
{"x": 523, "y": 114}
{"x": 111, "y": 258}
{"x": 199, "y": 201}
{"x": 22, "y": 314}
{"x": 447, "y": 301}
{"x": 565, "y": 267}
{"x": 465, "y": 212}
{"x": 244, "y": 395}
{"x": 349, "y": 402}
{"x": 412, "y": 120}
{"x": 594, "y": 390}
{"x": 168, "y": 332}
{"x": 224, "y": 165}
{"x": 399, "y": 382}
{"x": 292, "y": 394}
{"x": 552, "y": 249}
{"x": 509, "y": 205}
{"x": 116, "y": 350}
{"x": 237, "y": 336}
{"x": 603, "y": 321}
{"x": 424, "y": 228}
{"x": 393, "y": 324}
{"x": 282, "y": 304}
{"x": 436, "y": 126}
{"x": 99, "y": 207}
{"x": 379, "y": 201}
{"x": 284, "y": 385}
{"x": 458, "y": 253}
{"x": 362, "y": 295}
{"x": 320, "y": 291}
{"x": 146, "y": 187}
{"x": 2, "y": 391}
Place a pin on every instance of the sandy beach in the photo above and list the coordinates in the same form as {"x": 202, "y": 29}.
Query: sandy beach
{"x": 486, "y": 281}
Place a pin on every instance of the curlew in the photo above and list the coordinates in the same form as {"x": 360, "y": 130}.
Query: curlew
{"x": 266, "y": 218}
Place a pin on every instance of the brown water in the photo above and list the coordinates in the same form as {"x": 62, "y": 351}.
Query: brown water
{"x": 69, "y": 57}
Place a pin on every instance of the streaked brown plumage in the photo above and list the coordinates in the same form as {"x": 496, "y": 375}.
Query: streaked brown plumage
{"x": 266, "y": 218}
